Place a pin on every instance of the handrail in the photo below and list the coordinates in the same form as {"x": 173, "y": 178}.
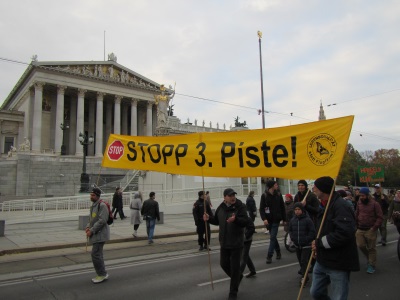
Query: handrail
{"x": 64, "y": 205}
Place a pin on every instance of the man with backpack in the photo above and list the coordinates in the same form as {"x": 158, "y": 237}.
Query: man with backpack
{"x": 98, "y": 232}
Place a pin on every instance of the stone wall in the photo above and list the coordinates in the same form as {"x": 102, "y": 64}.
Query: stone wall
{"x": 27, "y": 174}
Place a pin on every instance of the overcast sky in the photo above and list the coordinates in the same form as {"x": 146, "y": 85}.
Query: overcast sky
{"x": 343, "y": 53}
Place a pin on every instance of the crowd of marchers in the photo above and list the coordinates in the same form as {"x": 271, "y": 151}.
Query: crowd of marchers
{"x": 325, "y": 226}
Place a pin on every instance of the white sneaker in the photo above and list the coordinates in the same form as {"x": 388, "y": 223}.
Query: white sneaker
{"x": 99, "y": 279}
{"x": 134, "y": 233}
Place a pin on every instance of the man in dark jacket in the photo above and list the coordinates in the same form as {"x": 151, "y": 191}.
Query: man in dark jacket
{"x": 118, "y": 204}
{"x": 383, "y": 201}
{"x": 198, "y": 212}
{"x": 150, "y": 213}
{"x": 251, "y": 206}
{"x": 272, "y": 212}
{"x": 336, "y": 248}
{"x": 310, "y": 203}
{"x": 231, "y": 216}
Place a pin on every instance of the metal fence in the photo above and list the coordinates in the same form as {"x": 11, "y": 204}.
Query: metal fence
{"x": 166, "y": 197}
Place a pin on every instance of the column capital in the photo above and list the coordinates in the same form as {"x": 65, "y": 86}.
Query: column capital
{"x": 81, "y": 92}
{"x": 100, "y": 95}
{"x": 150, "y": 104}
{"x": 134, "y": 102}
{"x": 61, "y": 89}
{"x": 38, "y": 85}
{"x": 118, "y": 99}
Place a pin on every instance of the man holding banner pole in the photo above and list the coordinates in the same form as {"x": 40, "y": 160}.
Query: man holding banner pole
{"x": 231, "y": 217}
{"x": 335, "y": 247}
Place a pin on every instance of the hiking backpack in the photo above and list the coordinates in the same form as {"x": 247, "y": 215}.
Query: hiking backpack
{"x": 110, "y": 215}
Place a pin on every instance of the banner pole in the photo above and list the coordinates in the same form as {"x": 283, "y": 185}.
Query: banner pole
{"x": 318, "y": 234}
{"x": 208, "y": 246}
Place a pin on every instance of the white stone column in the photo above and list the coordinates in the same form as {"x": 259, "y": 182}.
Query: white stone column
{"x": 72, "y": 139}
{"x": 117, "y": 115}
{"x": 108, "y": 120}
{"x": 149, "y": 119}
{"x": 91, "y": 125}
{"x": 99, "y": 125}
{"x": 59, "y": 118}
{"x": 124, "y": 119}
{"x": 134, "y": 128}
{"x": 37, "y": 118}
{"x": 80, "y": 120}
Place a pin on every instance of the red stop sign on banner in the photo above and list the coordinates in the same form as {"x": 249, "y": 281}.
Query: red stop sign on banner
{"x": 115, "y": 150}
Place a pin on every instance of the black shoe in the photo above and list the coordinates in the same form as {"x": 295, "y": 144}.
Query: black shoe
{"x": 383, "y": 243}
{"x": 201, "y": 248}
{"x": 232, "y": 296}
{"x": 269, "y": 259}
{"x": 278, "y": 255}
{"x": 251, "y": 274}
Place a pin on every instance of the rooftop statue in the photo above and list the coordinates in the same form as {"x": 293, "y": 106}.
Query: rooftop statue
{"x": 239, "y": 124}
{"x": 162, "y": 102}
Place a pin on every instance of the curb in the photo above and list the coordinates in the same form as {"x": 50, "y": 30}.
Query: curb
{"x": 115, "y": 241}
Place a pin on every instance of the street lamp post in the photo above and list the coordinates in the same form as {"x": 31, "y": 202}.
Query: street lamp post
{"x": 85, "y": 141}
{"x": 63, "y": 127}
{"x": 259, "y": 33}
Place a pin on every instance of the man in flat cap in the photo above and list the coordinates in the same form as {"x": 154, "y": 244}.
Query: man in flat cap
{"x": 98, "y": 233}
{"x": 231, "y": 216}
{"x": 335, "y": 248}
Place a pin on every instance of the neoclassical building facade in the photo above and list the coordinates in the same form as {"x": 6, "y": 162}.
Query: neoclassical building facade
{"x": 54, "y": 102}
{"x": 60, "y": 100}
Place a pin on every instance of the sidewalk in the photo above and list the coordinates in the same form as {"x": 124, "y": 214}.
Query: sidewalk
{"x": 64, "y": 232}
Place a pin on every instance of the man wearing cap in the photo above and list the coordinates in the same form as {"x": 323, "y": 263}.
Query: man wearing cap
{"x": 198, "y": 212}
{"x": 310, "y": 203}
{"x": 98, "y": 233}
{"x": 231, "y": 216}
{"x": 335, "y": 249}
{"x": 272, "y": 212}
{"x": 369, "y": 219}
{"x": 383, "y": 201}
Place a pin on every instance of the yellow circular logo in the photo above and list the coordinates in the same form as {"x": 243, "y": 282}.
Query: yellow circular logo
{"x": 321, "y": 148}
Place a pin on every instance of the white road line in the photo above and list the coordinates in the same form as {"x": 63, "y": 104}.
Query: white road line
{"x": 261, "y": 271}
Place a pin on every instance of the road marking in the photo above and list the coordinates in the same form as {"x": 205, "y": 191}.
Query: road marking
{"x": 261, "y": 271}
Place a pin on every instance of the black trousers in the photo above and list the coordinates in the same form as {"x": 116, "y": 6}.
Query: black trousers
{"x": 118, "y": 210}
{"x": 230, "y": 263}
{"x": 303, "y": 255}
{"x": 246, "y": 259}
{"x": 201, "y": 233}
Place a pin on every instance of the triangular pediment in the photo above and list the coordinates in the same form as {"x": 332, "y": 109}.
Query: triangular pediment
{"x": 101, "y": 70}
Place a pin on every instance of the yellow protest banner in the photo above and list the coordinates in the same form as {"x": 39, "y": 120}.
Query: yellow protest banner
{"x": 307, "y": 150}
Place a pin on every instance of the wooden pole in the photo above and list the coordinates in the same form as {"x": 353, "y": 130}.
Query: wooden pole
{"x": 208, "y": 248}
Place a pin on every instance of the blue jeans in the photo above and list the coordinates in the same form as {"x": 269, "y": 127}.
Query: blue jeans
{"x": 323, "y": 276}
{"x": 273, "y": 244}
{"x": 150, "y": 224}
